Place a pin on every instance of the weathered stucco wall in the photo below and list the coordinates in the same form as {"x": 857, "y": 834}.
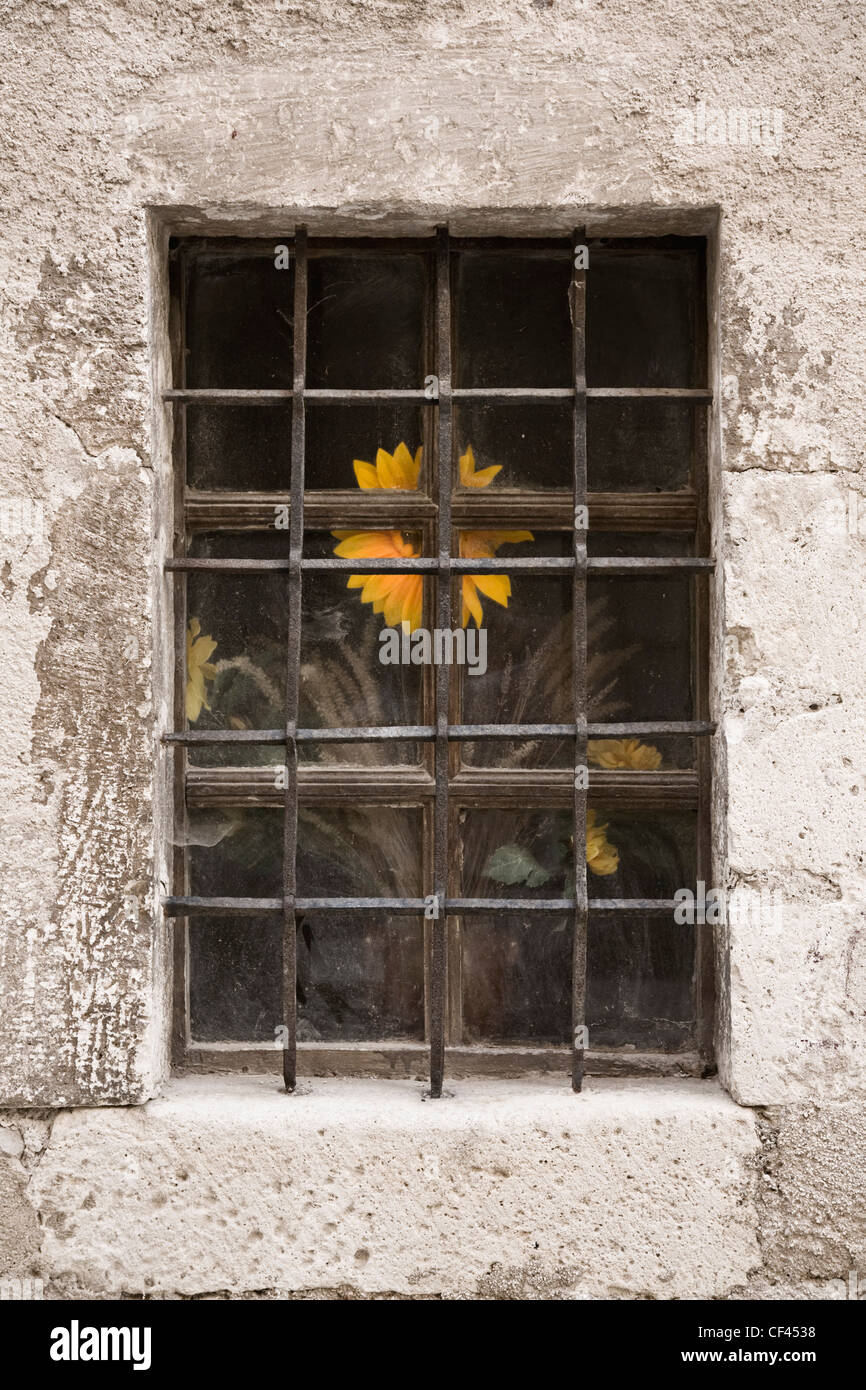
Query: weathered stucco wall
{"x": 120, "y": 121}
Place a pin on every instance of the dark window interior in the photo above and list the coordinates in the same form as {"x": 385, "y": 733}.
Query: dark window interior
{"x": 366, "y": 811}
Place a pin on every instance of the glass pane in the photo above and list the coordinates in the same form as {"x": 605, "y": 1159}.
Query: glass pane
{"x": 639, "y": 991}
{"x": 239, "y": 322}
{"x": 634, "y": 854}
{"x": 235, "y": 979}
{"x": 638, "y": 648}
{"x": 512, "y": 318}
{"x": 339, "y": 434}
{"x": 236, "y": 646}
{"x": 358, "y": 981}
{"x": 527, "y": 650}
{"x": 515, "y": 854}
{"x": 531, "y": 444}
{"x": 517, "y": 983}
{"x": 239, "y": 447}
{"x": 359, "y": 978}
{"x": 353, "y": 671}
{"x": 517, "y": 979}
{"x": 528, "y": 853}
{"x": 647, "y": 544}
{"x": 365, "y": 322}
{"x": 643, "y": 318}
{"x": 644, "y": 754}
{"x": 639, "y": 445}
{"x": 516, "y": 969}
{"x": 236, "y": 852}
{"x": 359, "y": 851}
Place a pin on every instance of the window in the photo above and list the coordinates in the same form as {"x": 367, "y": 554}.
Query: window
{"x": 390, "y": 451}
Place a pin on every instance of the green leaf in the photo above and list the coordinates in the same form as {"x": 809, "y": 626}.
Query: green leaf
{"x": 513, "y": 864}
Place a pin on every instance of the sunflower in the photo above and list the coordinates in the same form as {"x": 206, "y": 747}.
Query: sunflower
{"x": 482, "y": 545}
{"x": 601, "y": 856}
{"x": 198, "y": 669}
{"x": 397, "y": 470}
{"x": 399, "y": 597}
{"x": 620, "y": 753}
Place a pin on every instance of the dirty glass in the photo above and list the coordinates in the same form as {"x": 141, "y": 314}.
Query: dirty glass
{"x": 371, "y": 326}
{"x": 359, "y": 977}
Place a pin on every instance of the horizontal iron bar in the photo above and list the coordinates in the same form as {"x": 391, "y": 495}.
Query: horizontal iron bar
{"x": 533, "y": 565}
{"x": 695, "y": 728}
{"x": 243, "y": 395}
{"x": 221, "y": 907}
{"x": 186, "y": 562}
{"x": 220, "y": 393}
{"x": 656, "y": 564}
{"x": 374, "y": 733}
{"x": 264, "y": 397}
{"x": 669, "y": 393}
{"x": 512, "y": 393}
{"x": 316, "y": 393}
{"x": 386, "y": 733}
{"x": 192, "y": 737}
{"x": 253, "y": 907}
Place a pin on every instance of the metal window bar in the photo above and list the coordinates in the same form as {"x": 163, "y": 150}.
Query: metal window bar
{"x": 458, "y": 393}
{"x": 438, "y": 953}
{"x": 443, "y": 567}
{"x": 254, "y": 907}
{"x": 694, "y": 728}
{"x": 293, "y": 662}
{"x": 579, "y": 619}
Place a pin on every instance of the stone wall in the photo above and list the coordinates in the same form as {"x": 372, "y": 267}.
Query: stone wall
{"x": 122, "y": 122}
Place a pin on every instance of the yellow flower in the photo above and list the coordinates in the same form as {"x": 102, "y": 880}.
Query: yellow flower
{"x": 623, "y": 753}
{"x": 482, "y": 545}
{"x": 601, "y": 856}
{"x": 472, "y": 477}
{"x": 400, "y": 597}
{"x": 397, "y": 470}
{"x": 198, "y": 669}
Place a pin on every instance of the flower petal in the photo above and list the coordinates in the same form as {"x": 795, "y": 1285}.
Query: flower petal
{"x": 374, "y": 545}
{"x": 388, "y": 476}
{"x": 414, "y": 605}
{"x": 398, "y": 593}
{"x": 483, "y": 476}
{"x": 201, "y": 650}
{"x": 366, "y": 474}
{"x": 404, "y": 468}
{"x": 471, "y": 601}
{"x": 495, "y": 586}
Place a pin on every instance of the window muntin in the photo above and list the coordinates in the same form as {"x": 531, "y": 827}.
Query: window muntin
{"x": 377, "y": 324}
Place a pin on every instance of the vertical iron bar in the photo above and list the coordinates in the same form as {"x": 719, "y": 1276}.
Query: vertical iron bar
{"x": 438, "y": 964}
{"x": 704, "y": 970}
{"x": 180, "y": 271}
{"x": 293, "y": 662}
{"x": 581, "y": 913}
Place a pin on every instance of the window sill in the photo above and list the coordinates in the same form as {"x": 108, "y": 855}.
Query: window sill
{"x": 226, "y": 1183}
